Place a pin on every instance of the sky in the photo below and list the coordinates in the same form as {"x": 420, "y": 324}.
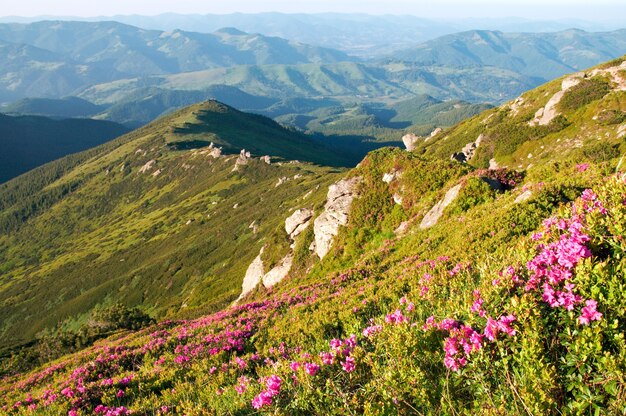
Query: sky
{"x": 454, "y": 9}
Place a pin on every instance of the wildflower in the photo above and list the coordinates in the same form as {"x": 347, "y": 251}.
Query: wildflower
{"x": 589, "y": 313}
{"x": 311, "y": 368}
{"x": 396, "y": 318}
{"x": 262, "y": 399}
{"x": 371, "y": 330}
{"x": 327, "y": 358}
{"x": 273, "y": 384}
{"x": 120, "y": 394}
{"x": 349, "y": 365}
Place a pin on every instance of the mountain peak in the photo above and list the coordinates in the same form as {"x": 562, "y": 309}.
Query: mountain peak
{"x": 232, "y": 31}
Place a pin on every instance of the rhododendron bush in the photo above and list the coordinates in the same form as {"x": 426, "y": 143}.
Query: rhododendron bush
{"x": 536, "y": 329}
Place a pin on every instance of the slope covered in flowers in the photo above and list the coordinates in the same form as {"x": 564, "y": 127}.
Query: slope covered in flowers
{"x": 530, "y": 321}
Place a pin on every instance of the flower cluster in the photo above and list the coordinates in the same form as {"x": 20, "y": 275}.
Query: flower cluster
{"x": 272, "y": 385}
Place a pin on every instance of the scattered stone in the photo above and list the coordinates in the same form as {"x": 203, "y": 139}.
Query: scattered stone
{"x": 397, "y": 199}
{"x": 410, "y": 140}
{"x": 280, "y": 181}
{"x": 493, "y": 165}
{"x": 524, "y": 196}
{"x": 468, "y": 151}
{"x": 236, "y": 206}
{"x": 437, "y": 211}
{"x": 157, "y": 172}
{"x": 326, "y": 225}
{"x": 266, "y": 159}
{"x": 298, "y": 222}
{"x": 391, "y": 176}
{"x": 434, "y": 133}
{"x": 189, "y": 221}
{"x": 254, "y": 227}
{"x": 621, "y": 131}
{"x": 402, "y": 228}
{"x": 145, "y": 168}
{"x": 515, "y": 105}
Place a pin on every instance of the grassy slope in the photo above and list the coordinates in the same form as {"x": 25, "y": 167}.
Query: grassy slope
{"x": 100, "y": 231}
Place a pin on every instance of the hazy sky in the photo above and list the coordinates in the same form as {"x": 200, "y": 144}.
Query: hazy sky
{"x": 543, "y": 9}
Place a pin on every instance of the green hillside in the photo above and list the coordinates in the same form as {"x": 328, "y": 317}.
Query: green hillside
{"x": 68, "y": 107}
{"x": 92, "y": 228}
{"x": 447, "y": 288}
{"x": 30, "y": 141}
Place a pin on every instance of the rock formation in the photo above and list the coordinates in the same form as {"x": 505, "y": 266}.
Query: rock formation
{"x": 468, "y": 151}
{"x": 546, "y": 114}
{"x": 242, "y": 159}
{"x": 253, "y": 276}
{"x": 410, "y": 140}
{"x": 338, "y": 202}
{"x": 279, "y": 272}
{"x": 298, "y": 222}
{"x": 437, "y": 211}
{"x": 145, "y": 168}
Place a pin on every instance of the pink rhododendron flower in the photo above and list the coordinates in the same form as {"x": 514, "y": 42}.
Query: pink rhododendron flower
{"x": 311, "y": 368}
{"x": 589, "y": 313}
{"x": 349, "y": 365}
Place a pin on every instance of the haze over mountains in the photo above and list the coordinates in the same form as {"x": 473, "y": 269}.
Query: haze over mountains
{"x": 362, "y": 35}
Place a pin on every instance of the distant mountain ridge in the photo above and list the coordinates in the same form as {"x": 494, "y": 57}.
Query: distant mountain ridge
{"x": 541, "y": 55}
{"x": 61, "y": 57}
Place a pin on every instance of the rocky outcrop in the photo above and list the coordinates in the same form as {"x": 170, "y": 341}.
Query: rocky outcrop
{"x": 145, "y": 168}
{"x": 266, "y": 159}
{"x": 468, "y": 151}
{"x": 516, "y": 105}
{"x": 298, "y": 222}
{"x": 391, "y": 176}
{"x": 410, "y": 140}
{"x": 242, "y": 159}
{"x": 279, "y": 272}
{"x": 546, "y": 114}
{"x": 493, "y": 165}
{"x": 437, "y": 211}
{"x": 435, "y": 132}
{"x": 338, "y": 202}
{"x": 524, "y": 196}
{"x": 254, "y": 275}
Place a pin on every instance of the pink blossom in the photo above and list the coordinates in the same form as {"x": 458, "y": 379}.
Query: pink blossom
{"x": 311, "y": 368}
{"x": 262, "y": 399}
{"x": 349, "y": 365}
{"x": 372, "y": 330}
{"x": 589, "y": 313}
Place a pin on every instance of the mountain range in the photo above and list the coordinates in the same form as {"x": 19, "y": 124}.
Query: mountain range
{"x": 57, "y": 58}
{"x": 540, "y": 55}
{"x": 363, "y": 35}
